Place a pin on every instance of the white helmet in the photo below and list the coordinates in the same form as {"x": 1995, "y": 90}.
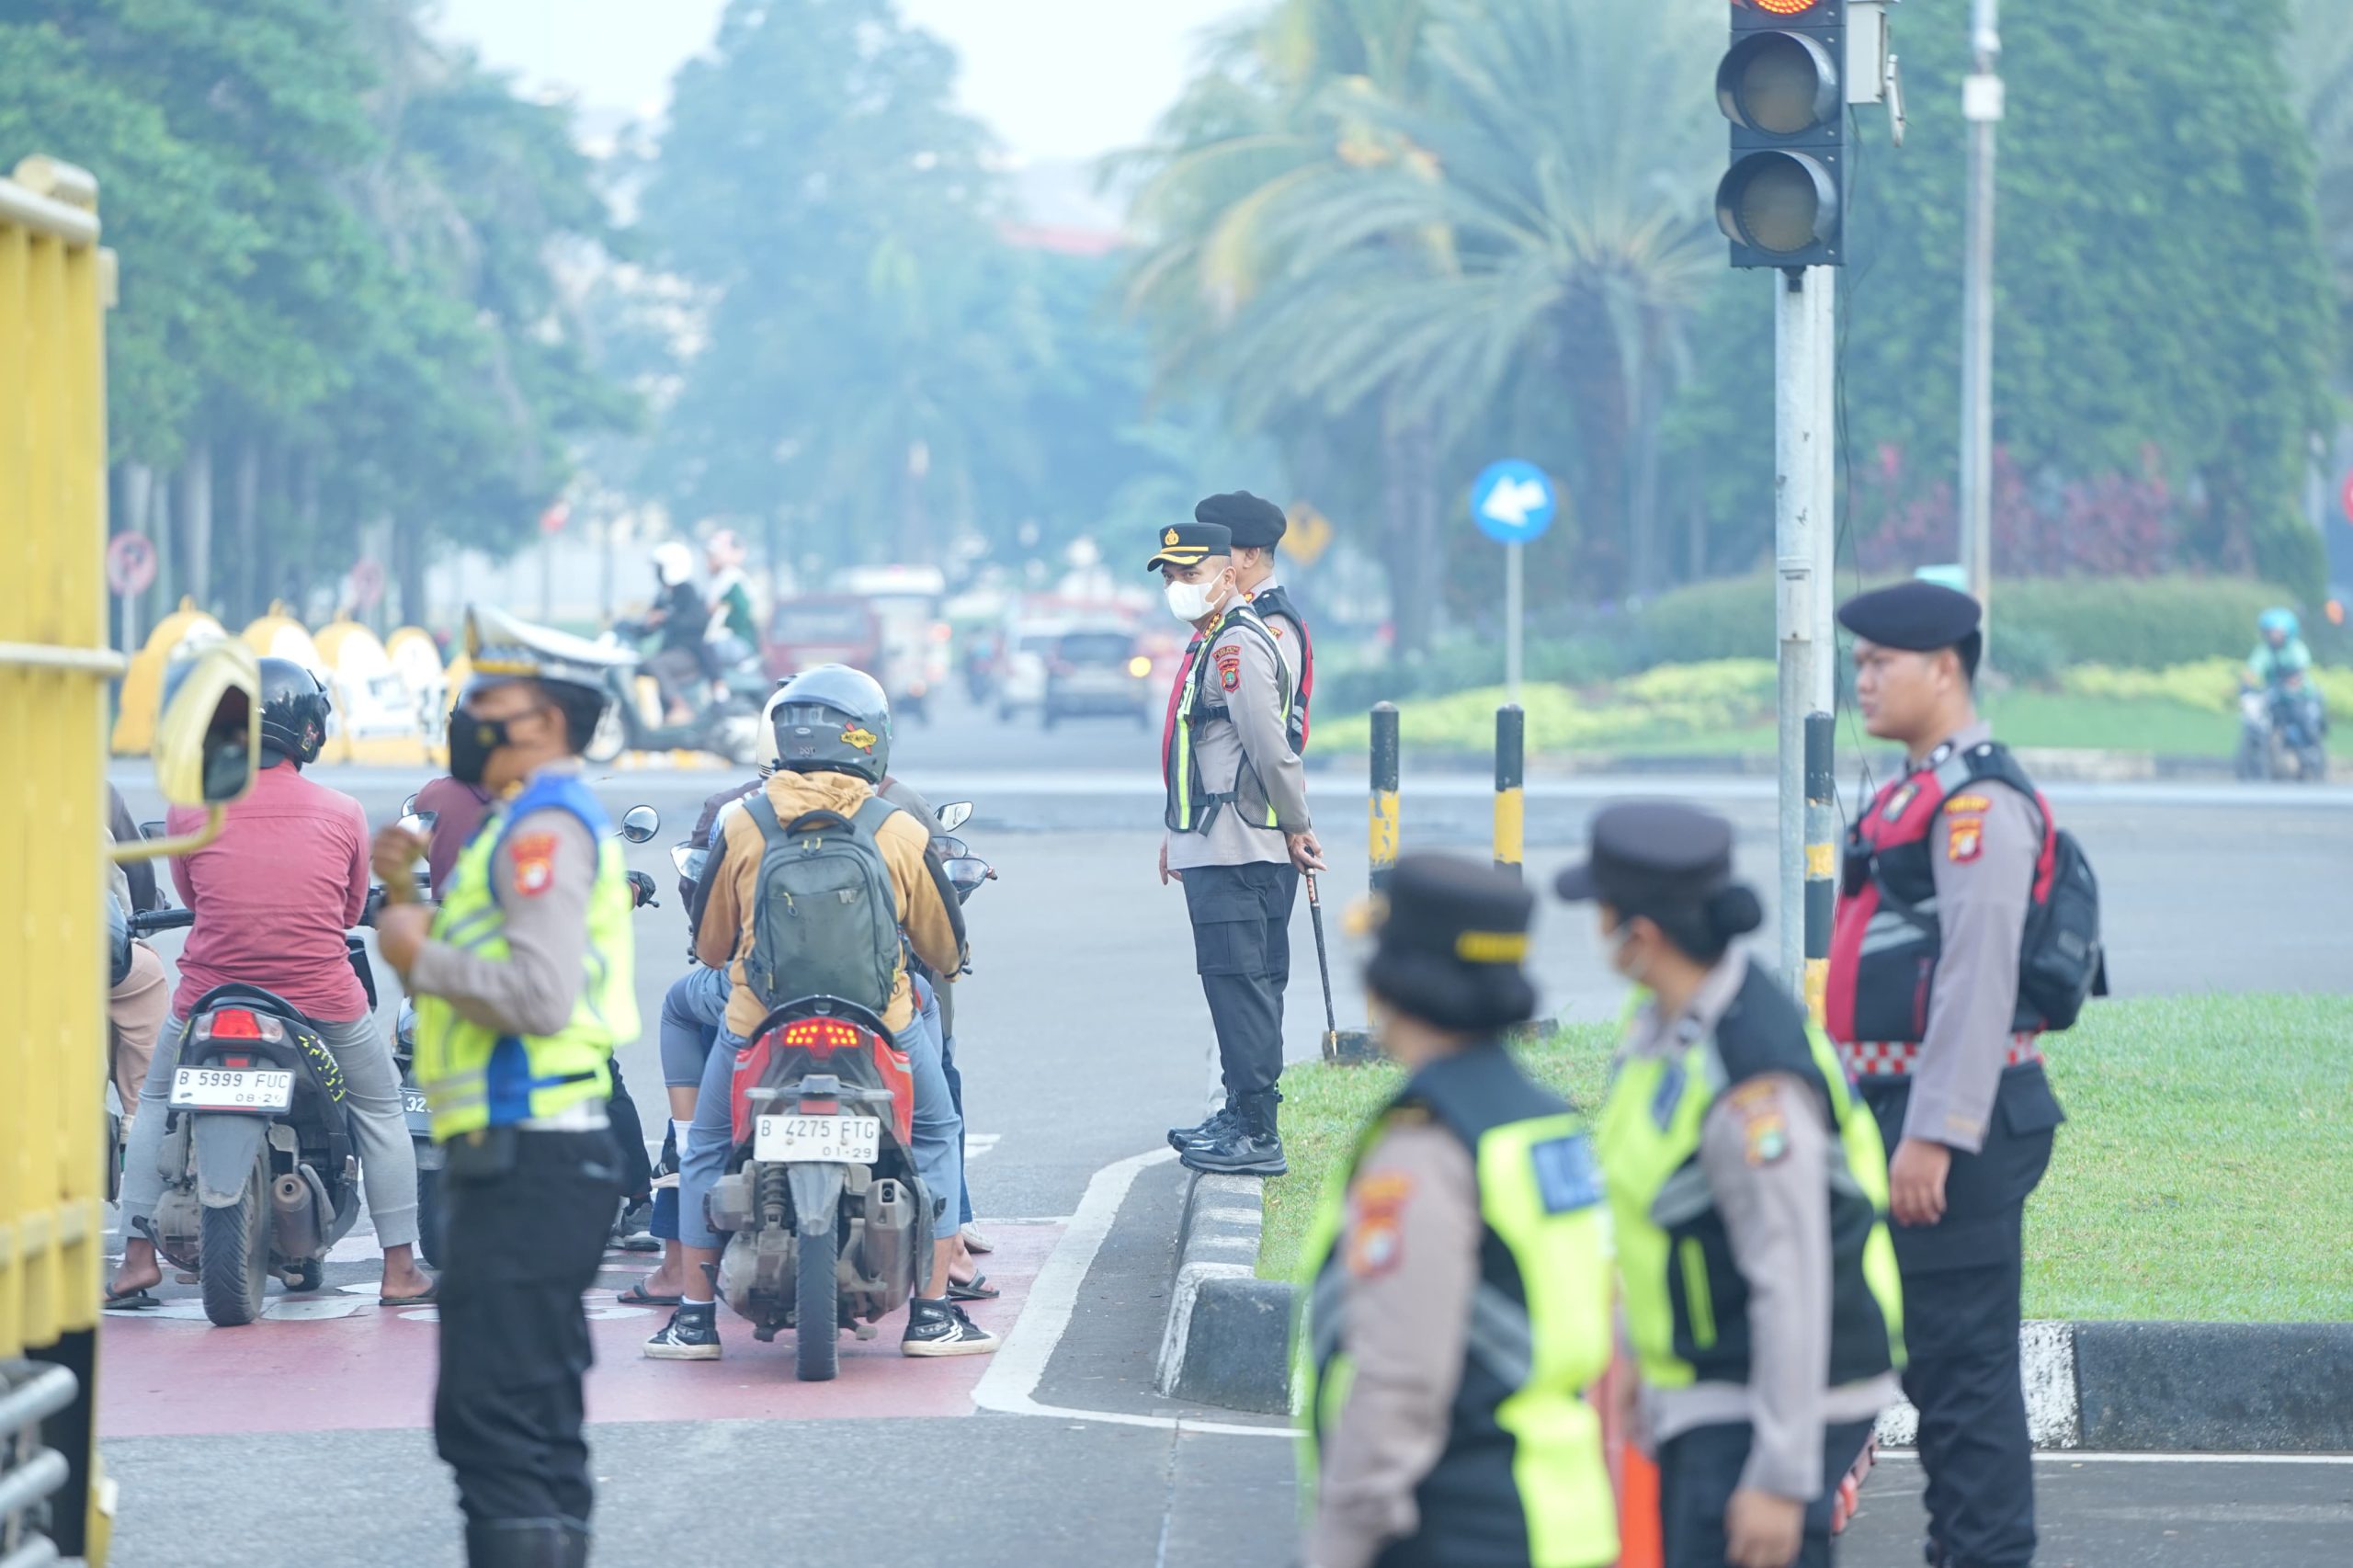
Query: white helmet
{"x": 673, "y": 563}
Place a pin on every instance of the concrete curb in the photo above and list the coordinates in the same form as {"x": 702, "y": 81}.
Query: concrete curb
{"x": 2048, "y": 764}
{"x": 2219, "y": 1387}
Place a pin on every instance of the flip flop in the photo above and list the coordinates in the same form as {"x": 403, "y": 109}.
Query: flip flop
{"x": 976, "y": 1289}
{"x": 637, "y": 1296}
{"x": 137, "y": 1300}
{"x": 423, "y": 1298}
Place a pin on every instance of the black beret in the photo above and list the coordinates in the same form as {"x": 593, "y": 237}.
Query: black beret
{"x": 1918, "y": 617}
{"x": 1652, "y": 854}
{"x": 1256, "y": 524}
{"x": 1451, "y": 942}
{"x": 1189, "y": 545}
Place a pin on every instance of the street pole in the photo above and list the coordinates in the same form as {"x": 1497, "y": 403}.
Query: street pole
{"x": 1805, "y": 538}
{"x": 1981, "y": 101}
{"x": 1515, "y": 615}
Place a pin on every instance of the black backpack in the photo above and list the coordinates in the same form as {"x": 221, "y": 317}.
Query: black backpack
{"x": 2061, "y": 962}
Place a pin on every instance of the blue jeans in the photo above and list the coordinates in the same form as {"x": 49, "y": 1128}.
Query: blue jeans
{"x": 938, "y": 1134}
{"x": 692, "y": 1011}
{"x": 929, "y": 997}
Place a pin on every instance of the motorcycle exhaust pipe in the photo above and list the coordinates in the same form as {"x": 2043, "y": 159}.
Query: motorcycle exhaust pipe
{"x": 296, "y": 1230}
{"x": 889, "y": 1239}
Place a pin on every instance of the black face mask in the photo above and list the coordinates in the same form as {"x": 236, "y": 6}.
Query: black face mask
{"x": 470, "y": 743}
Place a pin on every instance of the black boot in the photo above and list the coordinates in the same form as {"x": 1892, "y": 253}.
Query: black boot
{"x": 1252, "y": 1146}
{"x": 523, "y": 1543}
{"x": 575, "y": 1544}
{"x": 1218, "y": 1124}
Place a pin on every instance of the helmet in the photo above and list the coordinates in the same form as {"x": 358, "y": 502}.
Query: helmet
{"x": 2278, "y": 620}
{"x": 673, "y": 563}
{"x": 833, "y": 719}
{"x": 724, "y": 548}
{"x": 294, "y": 709}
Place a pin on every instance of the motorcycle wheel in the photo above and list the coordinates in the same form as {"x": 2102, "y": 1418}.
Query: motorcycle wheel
{"x": 2312, "y": 765}
{"x": 234, "y": 1266}
{"x": 429, "y": 1217}
{"x": 816, "y": 1307}
{"x": 611, "y": 737}
{"x": 2250, "y": 762}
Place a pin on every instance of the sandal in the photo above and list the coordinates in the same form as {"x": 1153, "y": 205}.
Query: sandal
{"x": 637, "y": 1296}
{"x": 137, "y": 1300}
{"x": 976, "y": 1289}
{"x": 423, "y": 1298}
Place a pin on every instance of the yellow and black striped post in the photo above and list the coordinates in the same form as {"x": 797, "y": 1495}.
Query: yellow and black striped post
{"x": 1511, "y": 778}
{"x": 1821, "y": 861}
{"x": 1383, "y": 832}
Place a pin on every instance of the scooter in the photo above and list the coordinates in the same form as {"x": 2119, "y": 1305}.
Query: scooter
{"x": 2282, "y": 732}
{"x": 826, "y": 1219}
{"x": 727, "y": 726}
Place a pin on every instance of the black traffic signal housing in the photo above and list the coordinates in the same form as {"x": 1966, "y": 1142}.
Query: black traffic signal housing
{"x": 1782, "y": 203}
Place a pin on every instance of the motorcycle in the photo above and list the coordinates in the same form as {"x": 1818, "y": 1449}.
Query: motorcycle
{"x": 826, "y": 1219}
{"x": 2283, "y": 732}
{"x": 727, "y": 726}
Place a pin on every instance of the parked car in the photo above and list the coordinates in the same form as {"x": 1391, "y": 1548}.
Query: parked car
{"x": 1098, "y": 672}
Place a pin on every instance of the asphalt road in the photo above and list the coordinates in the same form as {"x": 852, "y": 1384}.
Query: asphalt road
{"x": 1083, "y": 1035}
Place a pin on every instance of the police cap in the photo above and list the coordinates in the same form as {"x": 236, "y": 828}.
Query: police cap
{"x": 1189, "y": 545}
{"x": 502, "y": 647}
{"x": 1651, "y": 857}
{"x": 1453, "y": 934}
{"x": 1256, "y": 524}
{"x": 1918, "y": 617}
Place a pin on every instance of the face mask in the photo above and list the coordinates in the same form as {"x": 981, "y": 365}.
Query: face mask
{"x": 1623, "y": 959}
{"x": 1189, "y": 602}
{"x": 470, "y": 743}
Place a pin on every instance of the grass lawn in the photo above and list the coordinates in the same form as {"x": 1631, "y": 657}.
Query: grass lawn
{"x": 2206, "y": 1174}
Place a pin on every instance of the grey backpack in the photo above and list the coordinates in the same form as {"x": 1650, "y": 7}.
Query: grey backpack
{"x": 826, "y": 920}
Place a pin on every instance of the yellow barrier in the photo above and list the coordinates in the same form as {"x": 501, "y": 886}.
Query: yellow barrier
{"x": 54, "y": 663}
{"x": 279, "y": 635}
{"x": 377, "y": 719}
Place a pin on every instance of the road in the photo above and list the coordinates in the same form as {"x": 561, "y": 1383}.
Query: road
{"x": 1084, "y": 1035}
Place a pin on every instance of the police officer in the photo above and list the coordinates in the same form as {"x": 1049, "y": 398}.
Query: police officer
{"x": 524, "y": 987}
{"x": 1749, "y": 1192}
{"x": 1239, "y": 836}
{"x": 1258, "y": 526}
{"x": 1924, "y": 1002}
{"x": 1458, "y": 1276}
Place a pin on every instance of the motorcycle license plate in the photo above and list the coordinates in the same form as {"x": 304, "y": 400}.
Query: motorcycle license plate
{"x": 412, "y": 1102}
{"x": 229, "y": 1088}
{"x": 846, "y": 1139}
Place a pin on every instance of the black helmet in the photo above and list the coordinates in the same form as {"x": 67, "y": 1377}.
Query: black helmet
{"x": 833, "y": 719}
{"x": 294, "y": 709}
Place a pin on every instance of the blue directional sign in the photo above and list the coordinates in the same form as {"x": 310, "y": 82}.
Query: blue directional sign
{"x": 1513, "y": 502}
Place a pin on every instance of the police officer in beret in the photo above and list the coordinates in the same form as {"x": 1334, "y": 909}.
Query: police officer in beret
{"x": 1749, "y": 1191}
{"x": 1924, "y": 1001}
{"x": 1457, "y": 1282}
{"x": 1258, "y": 526}
{"x": 1239, "y": 837}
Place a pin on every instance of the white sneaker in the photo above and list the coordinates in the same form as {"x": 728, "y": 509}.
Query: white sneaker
{"x": 974, "y": 1241}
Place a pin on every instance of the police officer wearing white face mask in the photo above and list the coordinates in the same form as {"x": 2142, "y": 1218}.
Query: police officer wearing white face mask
{"x": 1239, "y": 836}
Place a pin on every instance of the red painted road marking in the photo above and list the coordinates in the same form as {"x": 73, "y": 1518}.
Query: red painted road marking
{"x": 372, "y": 1369}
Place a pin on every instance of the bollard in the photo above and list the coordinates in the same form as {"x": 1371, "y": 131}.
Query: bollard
{"x": 1383, "y": 832}
{"x": 1821, "y": 861}
{"x": 1511, "y": 778}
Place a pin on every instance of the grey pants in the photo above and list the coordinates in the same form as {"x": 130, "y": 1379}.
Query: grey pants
{"x": 371, "y": 1090}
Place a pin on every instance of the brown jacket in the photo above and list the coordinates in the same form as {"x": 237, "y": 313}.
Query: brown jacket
{"x": 725, "y": 933}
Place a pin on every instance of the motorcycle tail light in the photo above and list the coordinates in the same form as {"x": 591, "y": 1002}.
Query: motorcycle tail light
{"x": 238, "y": 1023}
{"x": 821, "y": 1037}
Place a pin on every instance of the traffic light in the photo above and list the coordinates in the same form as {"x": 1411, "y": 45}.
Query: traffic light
{"x": 1782, "y": 86}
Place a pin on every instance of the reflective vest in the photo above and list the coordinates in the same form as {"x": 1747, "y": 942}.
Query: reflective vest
{"x": 1686, "y": 1300}
{"x": 475, "y": 1076}
{"x": 1275, "y": 600}
{"x": 1521, "y": 1480}
{"x": 1192, "y": 804}
{"x": 1885, "y": 941}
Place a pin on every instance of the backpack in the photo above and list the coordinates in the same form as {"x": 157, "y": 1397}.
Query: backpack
{"x": 826, "y": 919}
{"x": 2061, "y": 962}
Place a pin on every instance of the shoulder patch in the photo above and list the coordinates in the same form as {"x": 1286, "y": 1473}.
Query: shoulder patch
{"x": 1763, "y": 1126}
{"x": 1567, "y": 1178}
{"x": 534, "y": 862}
{"x": 1965, "y": 839}
{"x": 1956, "y": 804}
{"x": 1229, "y": 665}
{"x": 1376, "y": 1225}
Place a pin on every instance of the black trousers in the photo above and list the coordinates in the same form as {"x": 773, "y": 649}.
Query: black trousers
{"x": 1700, "y": 1469}
{"x": 628, "y": 1139}
{"x": 1962, "y": 1282}
{"x": 1241, "y": 918}
{"x": 527, "y": 1215}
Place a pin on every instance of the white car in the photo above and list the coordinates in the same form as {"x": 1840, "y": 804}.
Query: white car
{"x": 1021, "y": 681}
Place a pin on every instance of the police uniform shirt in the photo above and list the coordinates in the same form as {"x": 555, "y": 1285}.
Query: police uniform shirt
{"x": 544, "y": 873}
{"x": 1982, "y": 853}
{"x": 1238, "y": 668}
{"x": 1287, "y": 641}
{"x": 1409, "y": 1255}
{"x": 1765, "y": 1148}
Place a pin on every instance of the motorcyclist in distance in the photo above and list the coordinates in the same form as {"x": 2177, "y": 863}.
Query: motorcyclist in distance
{"x": 2279, "y": 650}
{"x": 682, "y": 618}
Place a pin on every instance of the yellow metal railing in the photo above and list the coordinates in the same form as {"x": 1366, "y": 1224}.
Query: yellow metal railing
{"x": 54, "y": 663}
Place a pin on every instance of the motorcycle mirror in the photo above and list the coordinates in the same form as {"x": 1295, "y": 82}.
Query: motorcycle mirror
{"x": 640, "y": 823}
{"x": 408, "y": 807}
{"x": 952, "y": 848}
{"x": 151, "y": 830}
{"x": 419, "y": 825}
{"x": 955, "y": 814}
{"x": 965, "y": 873}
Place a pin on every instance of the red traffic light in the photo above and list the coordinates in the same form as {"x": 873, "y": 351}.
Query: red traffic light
{"x": 1781, "y": 7}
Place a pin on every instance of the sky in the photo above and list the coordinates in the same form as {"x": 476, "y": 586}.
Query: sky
{"x": 1056, "y": 79}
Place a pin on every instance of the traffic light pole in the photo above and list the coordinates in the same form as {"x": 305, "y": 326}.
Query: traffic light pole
{"x": 1805, "y": 542}
{"x": 1981, "y": 107}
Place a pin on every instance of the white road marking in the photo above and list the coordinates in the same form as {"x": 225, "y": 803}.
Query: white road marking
{"x": 979, "y": 1143}
{"x": 1009, "y": 1387}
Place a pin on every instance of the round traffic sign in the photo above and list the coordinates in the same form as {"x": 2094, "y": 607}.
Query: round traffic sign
{"x": 131, "y": 564}
{"x": 2347, "y": 497}
{"x": 367, "y": 582}
{"x": 1513, "y": 502}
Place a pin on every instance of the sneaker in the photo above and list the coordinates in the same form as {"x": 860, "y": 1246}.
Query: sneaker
{"x": 1237, "y": 1153}
{"x": 1216, "y": 1127}
{"x": 940, "y": 1328}
{"x": 634, "y": 1232}
{"x": 691, "y": 1334}
{"x": 974, "y": 1241}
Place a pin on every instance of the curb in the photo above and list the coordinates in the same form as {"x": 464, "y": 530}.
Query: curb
{"x": 2217, "y": 1388}
{"x": 1228, "y": 1337}
{"x": 2047, "y": 763}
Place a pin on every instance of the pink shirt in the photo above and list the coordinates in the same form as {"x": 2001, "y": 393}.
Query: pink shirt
{"x": 274, "y": 895}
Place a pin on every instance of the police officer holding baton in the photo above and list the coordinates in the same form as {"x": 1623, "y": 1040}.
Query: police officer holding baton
{"x": 523, "y": 980}
{"x": 1926, "y": 1005}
